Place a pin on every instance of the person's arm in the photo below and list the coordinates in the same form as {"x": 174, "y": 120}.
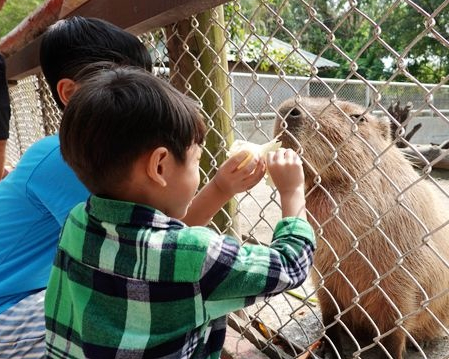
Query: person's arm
{"x": 228, "y": 181}
{"x": 235, "y": 276}
{"x": 5, "y": 114}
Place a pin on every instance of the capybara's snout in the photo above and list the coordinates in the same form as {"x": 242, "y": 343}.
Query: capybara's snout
{"x": 288, "y": 125}
{"x": 290, "y": 117}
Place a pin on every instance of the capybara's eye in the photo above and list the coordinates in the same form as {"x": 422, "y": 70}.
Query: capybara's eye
{"x": 358, "y": 118}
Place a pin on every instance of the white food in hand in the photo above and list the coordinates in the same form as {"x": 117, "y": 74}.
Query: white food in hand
{"x": 254, "y": 150}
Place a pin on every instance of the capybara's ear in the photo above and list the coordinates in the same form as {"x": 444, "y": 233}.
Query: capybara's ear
{"x": 385, "y": 127}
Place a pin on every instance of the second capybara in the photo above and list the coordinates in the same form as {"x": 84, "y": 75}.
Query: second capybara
{"x": 381, "y": 265}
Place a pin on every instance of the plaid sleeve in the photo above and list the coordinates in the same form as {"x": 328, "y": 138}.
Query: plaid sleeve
{"x": 234, "y": 275}
{"x": 153, "y": 288}
{"x": 5, "y": 111}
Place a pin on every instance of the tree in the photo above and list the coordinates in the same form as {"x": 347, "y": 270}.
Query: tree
{"x": 14, "y": 11}
{"x": 242, "y": 17}
{"x": 400, "y": 25}
{"x": 355, "y": 27}
{"x": 428, "y": 59}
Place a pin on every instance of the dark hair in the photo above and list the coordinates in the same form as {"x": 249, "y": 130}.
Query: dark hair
{"x": 119, "y": 113}
{"x": 71, "y": 44}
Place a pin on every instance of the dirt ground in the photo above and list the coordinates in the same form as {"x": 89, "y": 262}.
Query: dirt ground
{"x": 259, "y": 213}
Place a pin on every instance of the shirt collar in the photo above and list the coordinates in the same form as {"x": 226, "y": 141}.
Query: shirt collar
{"x": 121, "y": 212}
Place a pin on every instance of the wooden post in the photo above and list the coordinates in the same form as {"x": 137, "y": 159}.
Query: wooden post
{"x": 199, "y": 68}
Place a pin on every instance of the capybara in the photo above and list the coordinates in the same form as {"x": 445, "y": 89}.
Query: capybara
{"x": 381, "y": 265}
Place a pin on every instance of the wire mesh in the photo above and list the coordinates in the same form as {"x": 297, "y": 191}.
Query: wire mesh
{"x": 381, "y": 279}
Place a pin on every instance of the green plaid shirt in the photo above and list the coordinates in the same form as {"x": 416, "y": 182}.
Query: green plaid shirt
{"x": 130, "y": 282}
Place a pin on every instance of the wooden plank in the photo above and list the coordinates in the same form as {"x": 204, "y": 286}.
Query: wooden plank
{"x": 30, "y": 27}
{"x": 136, "y": 16}
{"x": 69, "y": 6}
{"x": 24, "y": 62}
{"x": 437, "y": 155}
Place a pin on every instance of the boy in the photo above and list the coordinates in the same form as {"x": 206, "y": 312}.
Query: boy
{"x": 36, "y": 197}
{"x": 129, "y": 279}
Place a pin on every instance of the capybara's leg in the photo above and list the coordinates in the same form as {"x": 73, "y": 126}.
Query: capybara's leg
{"x": 395, "y": 344}
{"x": 332, "y": 346}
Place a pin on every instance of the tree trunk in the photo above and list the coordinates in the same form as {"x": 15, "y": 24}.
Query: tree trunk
{"x": 431, "y": 153}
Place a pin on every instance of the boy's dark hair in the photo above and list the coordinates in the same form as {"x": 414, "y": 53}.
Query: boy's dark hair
{"x": 119, "y": 113}
{"x": 71, "y": 44}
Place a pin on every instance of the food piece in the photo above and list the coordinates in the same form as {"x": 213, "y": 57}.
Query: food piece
{"x": 253, "y": 150}
{"x": 246, "y": 160}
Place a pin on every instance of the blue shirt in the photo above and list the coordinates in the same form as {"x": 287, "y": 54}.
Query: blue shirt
{"x": 35, "y": 199}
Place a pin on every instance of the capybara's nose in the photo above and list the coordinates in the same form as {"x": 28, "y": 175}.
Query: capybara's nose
{"x": 294, "y": 117}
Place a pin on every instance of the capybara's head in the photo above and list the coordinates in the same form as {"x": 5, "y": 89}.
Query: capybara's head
{"x": 339, "y": 141}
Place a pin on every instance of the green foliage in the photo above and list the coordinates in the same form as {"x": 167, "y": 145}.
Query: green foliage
{"x": 282, "y": 60}
{"x": 268, "y": 58}
{"x": 356, "y": 34}
{"x": 14, "y": 11}
{"x": 251, "y": 49}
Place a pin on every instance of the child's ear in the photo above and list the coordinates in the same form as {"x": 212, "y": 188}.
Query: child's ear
{"x": 66, "y": 88}
{"x": 158, "y": 165}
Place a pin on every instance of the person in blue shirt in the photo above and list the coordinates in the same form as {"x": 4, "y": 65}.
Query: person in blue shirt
{"x": 37, "y": 195}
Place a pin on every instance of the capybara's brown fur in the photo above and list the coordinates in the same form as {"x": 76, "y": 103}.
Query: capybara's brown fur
{"x": 383, "y": 243}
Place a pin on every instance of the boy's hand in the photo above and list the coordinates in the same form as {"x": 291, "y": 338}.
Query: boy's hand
{"x": 231, "y": 178}
{"x": 238, "y": 174}
{"x": 285, "y": 168}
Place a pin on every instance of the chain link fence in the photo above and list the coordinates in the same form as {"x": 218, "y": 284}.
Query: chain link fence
{"x": 381, "y": 278}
